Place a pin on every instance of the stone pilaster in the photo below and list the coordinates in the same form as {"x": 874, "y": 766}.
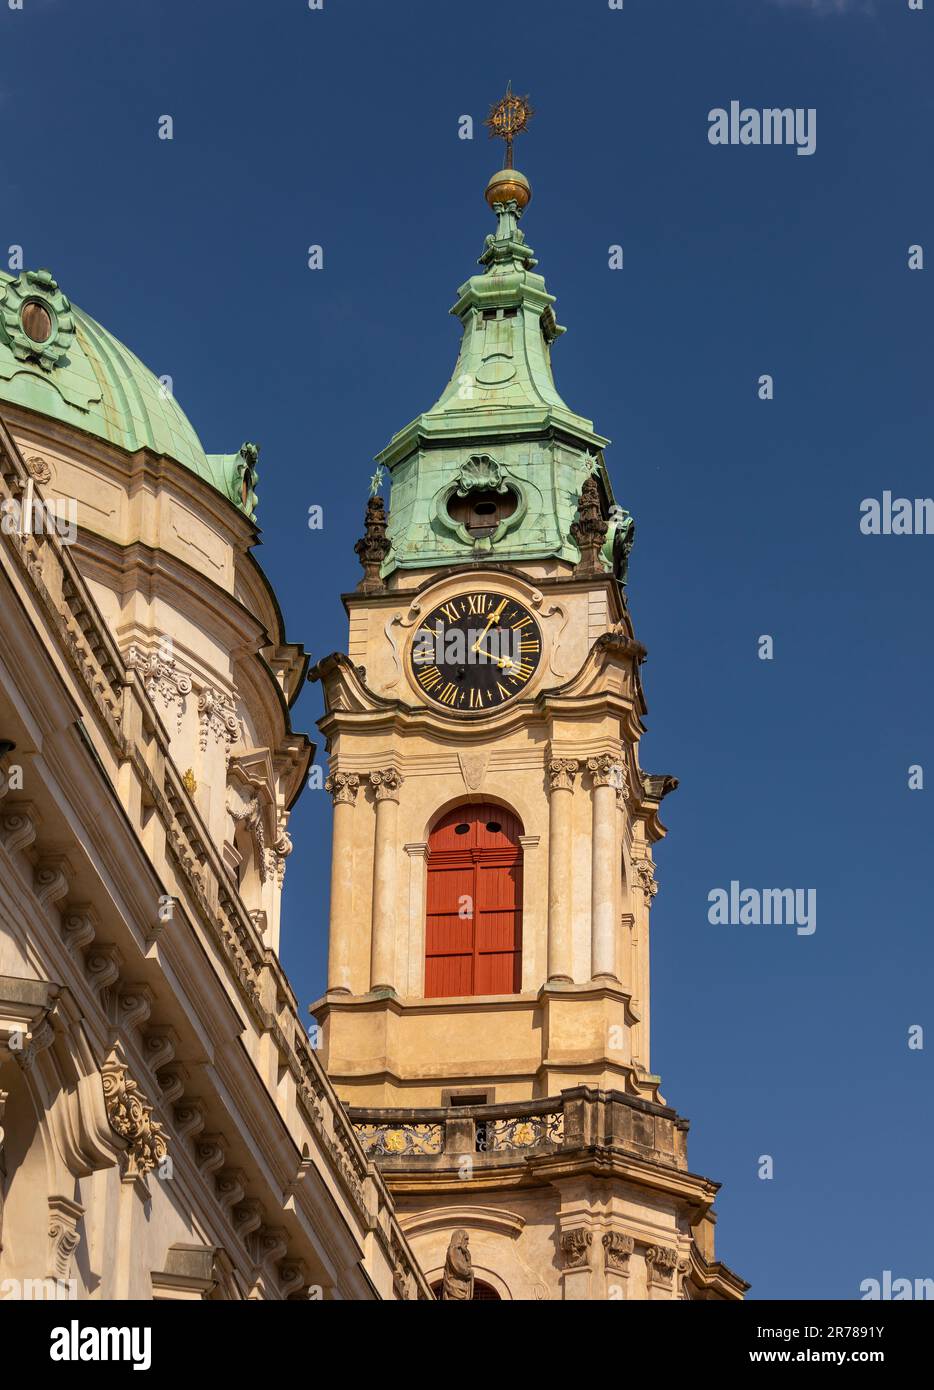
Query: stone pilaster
{"x": 605, "y": 776}
{"x": 617, "y": 1251}
{"x": 561, "y": 773}
{"x": 343, "y": 787}
{"x": 418, "y": 864}
{"x": 576, "y": 1247}
{"x": 660, "y": 1265}
{"x": 386, "y": 786}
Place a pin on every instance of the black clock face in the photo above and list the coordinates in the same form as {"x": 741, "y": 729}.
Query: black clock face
{"x": 475, "y": 652}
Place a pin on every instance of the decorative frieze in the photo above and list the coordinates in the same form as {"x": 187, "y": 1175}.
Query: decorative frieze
{"x": 524, "y": 1132}
{"x": 390, "y": 1140}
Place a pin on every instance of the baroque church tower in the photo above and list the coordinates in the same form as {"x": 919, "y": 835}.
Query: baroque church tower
{"x": 487, "y": 1009}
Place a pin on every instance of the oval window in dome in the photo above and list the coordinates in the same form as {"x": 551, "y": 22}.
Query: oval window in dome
{"x": 36, "y": 321}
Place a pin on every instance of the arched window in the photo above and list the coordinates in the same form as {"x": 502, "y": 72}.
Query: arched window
{"x": 473, "y": 938}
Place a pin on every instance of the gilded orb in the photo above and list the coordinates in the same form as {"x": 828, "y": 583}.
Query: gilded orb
{"x": 506, "y": 185}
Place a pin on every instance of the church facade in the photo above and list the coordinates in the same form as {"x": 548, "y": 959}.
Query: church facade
{"x": 166, "y": 1129}
{"x": 487, "y": 1012}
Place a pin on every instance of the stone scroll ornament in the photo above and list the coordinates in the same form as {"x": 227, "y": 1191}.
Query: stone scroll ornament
{"x": 458, "y": 1271}
{"x": 343, "y": 787}
{"x": 161, "y": 677}
{"x": 130, "y": 1116}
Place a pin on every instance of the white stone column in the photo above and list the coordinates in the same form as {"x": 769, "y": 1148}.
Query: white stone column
{"x": 561, "y": 774}
{"x": 418, "y": 866}
{"x": 605, "y": 775}
{"x": 343, "y": 787}
{"x": 386, "y": 785}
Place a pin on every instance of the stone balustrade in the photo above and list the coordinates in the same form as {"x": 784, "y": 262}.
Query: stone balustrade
{"x": 580, "y": 1118}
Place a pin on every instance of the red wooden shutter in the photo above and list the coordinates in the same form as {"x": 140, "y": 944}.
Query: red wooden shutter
{"x": 474, "y": 856}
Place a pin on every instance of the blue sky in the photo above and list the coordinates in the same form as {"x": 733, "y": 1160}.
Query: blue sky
{"x": 339, "y": 128}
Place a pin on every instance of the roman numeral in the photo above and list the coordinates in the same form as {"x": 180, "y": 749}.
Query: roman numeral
{"x": 448, "y": 696}
{"x": 476, "y": 699}
{"x": 520, "y": 672}
{"x": 477, "y": 603}
{"x": 523, "y": 622}
{"x": 450, "y": 612}
{"x": 430, "y": 678}
{"x": 530, "y": 646}
{"x": 504, "y": 694}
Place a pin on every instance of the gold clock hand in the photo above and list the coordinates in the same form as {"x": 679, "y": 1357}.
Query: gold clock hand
{"x": 494, "y": 617}
{"x": 500, "y": 660}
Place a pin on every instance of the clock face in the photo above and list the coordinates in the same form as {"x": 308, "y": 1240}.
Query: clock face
{"x": 475, "y": 652}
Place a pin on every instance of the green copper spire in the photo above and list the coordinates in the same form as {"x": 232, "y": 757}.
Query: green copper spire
{"x": 500, "y": 436}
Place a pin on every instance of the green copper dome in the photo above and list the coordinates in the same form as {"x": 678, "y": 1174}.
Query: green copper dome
{"x": 57, "y": 361}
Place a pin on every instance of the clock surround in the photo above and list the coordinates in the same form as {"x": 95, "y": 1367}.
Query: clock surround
{"x": 475, "y": 652}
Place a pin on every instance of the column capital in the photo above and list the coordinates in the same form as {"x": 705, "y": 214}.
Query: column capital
{"x": 386, "y": 784}
{"x": 660, "y": 1265}
{"x": 645, "y": 872}
{"x": 607, "y": 771}
{"x": 561, "y": 773}
{"x": 618, "y": 1247}
{"x": 343, "y": 787}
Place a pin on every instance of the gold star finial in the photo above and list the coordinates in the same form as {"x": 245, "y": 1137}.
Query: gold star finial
{"x": 507, "y": 119}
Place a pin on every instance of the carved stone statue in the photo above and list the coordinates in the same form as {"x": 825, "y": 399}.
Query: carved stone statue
{"x": 458, "y": 1272}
